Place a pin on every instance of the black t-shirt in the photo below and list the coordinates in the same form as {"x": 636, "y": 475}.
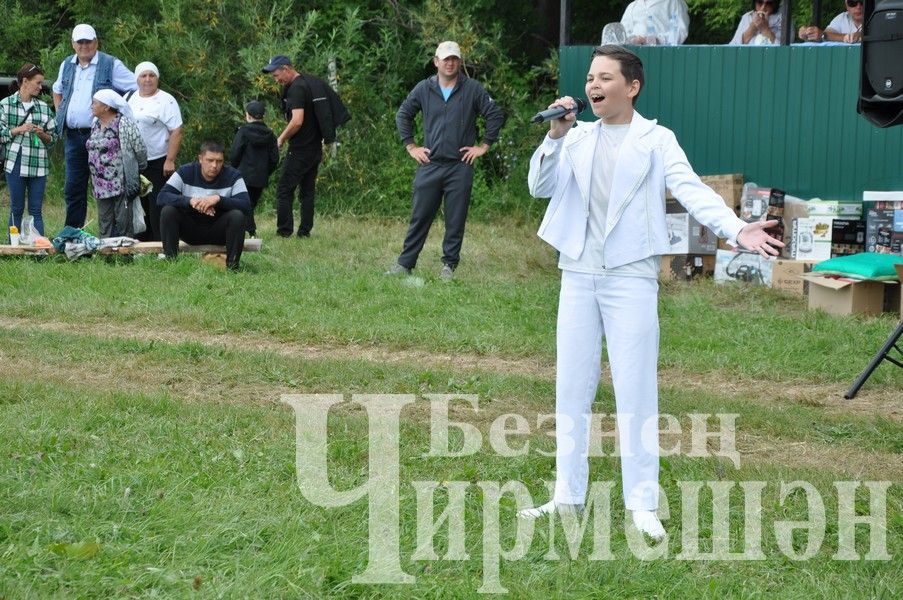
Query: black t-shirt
{"x": 297, "y": 95}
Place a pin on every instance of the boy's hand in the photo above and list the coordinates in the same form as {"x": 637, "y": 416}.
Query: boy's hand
{"x": 753, "y": 237}
{"x": 559, "y": 127}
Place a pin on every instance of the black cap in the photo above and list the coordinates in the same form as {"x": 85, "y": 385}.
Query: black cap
{"x": 256, "y": 109}
{"x": 280, "y": 60}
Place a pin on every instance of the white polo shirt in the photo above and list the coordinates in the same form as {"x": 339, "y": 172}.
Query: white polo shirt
{"x": 157, "y": 117}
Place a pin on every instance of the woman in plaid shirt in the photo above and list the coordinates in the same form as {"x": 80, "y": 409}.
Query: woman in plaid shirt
{"x": 27, "y": 129}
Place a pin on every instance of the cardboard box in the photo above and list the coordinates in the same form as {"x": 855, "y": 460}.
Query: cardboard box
{"x": 686, "y": 234}
{"x": 884, "y": 231}
{"x": 796, "y": 208}
{"x": 811, "y": 238}
{"x": 899, "y": 269}
{"x": 847, "y": 237}
{"x": 729, "y": 187}
{"x": 883, "y": 200}
{"x": 686, "y": 267}
{"x": 786, "y": 275}
{"x": 754, "y": 203}
{"x": 748, "y": 267}
{"x": 841, "y": 296}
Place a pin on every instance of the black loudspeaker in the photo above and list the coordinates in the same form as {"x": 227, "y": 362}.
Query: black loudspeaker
{"x": 881, "y": 79}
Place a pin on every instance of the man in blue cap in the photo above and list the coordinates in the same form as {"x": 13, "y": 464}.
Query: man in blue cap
{"x": 305, "y": 148}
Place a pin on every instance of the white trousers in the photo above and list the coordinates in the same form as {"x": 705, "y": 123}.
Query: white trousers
{"x": 625, "y": 311}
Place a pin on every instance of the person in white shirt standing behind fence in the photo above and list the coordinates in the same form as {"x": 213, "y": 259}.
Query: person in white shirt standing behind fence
{"x": 160, "y": 123}
{"x": 606, "y": 217}
{"x": 656, "y": 22}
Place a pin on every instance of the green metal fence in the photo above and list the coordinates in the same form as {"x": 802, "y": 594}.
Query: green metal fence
{"x": 785, "y": 117}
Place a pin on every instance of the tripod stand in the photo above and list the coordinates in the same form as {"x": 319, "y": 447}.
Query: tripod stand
{"x": 883, "y": 354}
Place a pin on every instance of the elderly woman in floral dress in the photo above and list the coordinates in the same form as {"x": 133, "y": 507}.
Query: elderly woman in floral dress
{"x": 116, "y": 155}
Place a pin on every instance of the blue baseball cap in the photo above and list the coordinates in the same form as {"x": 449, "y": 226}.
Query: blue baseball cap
{"x": 280, "y": 60}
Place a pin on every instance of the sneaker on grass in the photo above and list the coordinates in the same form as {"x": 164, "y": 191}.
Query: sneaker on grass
{"x": 397, "y": 269}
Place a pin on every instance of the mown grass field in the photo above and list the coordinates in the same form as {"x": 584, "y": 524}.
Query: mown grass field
{"x": 144, "y": 451}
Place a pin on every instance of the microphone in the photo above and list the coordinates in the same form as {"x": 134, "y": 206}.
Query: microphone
{"x": 558, "y": 112}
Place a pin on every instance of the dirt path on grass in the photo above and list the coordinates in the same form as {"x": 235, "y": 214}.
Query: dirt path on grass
{"x": 754, "y": 447}
{"x": 884, "y": 401}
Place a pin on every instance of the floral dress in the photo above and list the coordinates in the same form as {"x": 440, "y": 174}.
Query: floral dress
{"x": 105, "y": 159}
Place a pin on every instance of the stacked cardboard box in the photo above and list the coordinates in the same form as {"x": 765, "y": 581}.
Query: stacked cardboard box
{"x": 899, "y": 269}
{"x": 816, "y": 218}
{"x": 686, "y": 234}
{"x": 748, "y": 267}
{"x": 787, "y": 276}
{"x": 729, "y": 187}
{"x": 693, "y": 245}
{"x": 847, "y": 237}
{"x": 683, "y": 267}
{"x": 884, "y": 222}
{"x": 843, "y": 296}
{"x": 810, "y": 238}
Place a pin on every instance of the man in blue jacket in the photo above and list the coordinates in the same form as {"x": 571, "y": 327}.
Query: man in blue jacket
{"x": 450, "y": 102}
{"x": 81, "y": 76}
{"x": 205, "y": 202}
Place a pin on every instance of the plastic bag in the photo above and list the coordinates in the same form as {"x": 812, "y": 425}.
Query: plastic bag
{"x": 138, "y": 224}
{"x": 614, "y": 33}
{"x": 28, "y": 233}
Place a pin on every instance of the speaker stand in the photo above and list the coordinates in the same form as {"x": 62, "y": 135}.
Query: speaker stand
{"x": 883, "y": 354}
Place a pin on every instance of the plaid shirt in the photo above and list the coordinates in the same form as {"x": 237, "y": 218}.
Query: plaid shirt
{"x": 35, "y": 162}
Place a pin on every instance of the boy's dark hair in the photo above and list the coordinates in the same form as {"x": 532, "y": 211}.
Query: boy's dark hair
{"x": 631, "y": 65}
{"x": 212, "y": 146}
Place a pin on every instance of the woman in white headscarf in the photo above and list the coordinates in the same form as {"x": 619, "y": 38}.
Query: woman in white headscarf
{"x": 116, "y": 155}
{"x": 160, "y": 122}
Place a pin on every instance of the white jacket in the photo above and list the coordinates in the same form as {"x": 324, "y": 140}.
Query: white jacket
{"x": 649, "y": 161}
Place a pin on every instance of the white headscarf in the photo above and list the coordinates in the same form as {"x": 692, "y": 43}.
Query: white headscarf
{"x": 146, "y": 66}
{"x": 114, "y": 100}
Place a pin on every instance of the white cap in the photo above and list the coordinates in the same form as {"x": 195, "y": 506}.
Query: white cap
{"x": 146, "y": 66}
{"x": 83, "y": 31}
{"x": 113, "y": 100}
{"x": 446, "y": 49}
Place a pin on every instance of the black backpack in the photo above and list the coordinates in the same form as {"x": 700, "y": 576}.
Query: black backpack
{"x": 328, "y": 107}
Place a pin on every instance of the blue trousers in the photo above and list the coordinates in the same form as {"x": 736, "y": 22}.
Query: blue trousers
{"x": 77, "y": 175}
{"x": 18, "y": 187}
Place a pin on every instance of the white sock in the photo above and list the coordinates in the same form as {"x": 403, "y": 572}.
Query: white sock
{"x": 648, "y": 523}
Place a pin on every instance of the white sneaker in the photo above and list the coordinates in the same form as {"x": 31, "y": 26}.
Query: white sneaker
{"x": 548, "y": 508}
{"x": 647, "y": 522}
{"x": 397, "y": 269}
{"x": 447, "y": 273}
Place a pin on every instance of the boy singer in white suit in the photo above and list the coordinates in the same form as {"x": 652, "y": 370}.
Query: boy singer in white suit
{"x": 606, "y": 217}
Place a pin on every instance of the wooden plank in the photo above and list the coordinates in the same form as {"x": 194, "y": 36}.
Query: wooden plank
{"x": 7, "y": 250}
{"x": 251, "y": 245}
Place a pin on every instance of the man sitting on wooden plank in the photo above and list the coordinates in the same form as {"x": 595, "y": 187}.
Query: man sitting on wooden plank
{"x": 205, "y": 202}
